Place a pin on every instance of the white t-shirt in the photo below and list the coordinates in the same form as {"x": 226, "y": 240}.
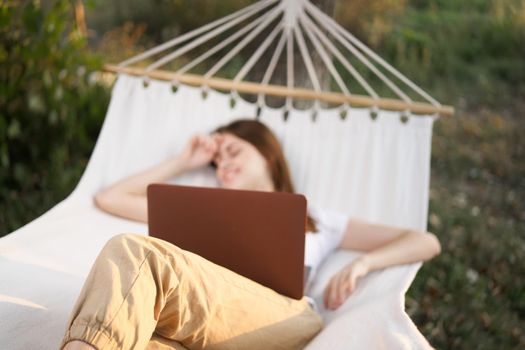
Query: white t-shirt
{"x": 331, "y": 226}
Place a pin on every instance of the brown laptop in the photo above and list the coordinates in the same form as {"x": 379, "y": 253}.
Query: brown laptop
{"x": 257, "y": 234}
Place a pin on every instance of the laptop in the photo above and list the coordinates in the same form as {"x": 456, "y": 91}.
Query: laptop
{"x": 257, "y": 234}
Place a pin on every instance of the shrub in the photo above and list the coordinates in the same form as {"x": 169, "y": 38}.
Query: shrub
{"x": 51, "y": 108}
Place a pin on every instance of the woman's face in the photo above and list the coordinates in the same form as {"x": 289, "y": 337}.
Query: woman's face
{"x": 240, "y": 165}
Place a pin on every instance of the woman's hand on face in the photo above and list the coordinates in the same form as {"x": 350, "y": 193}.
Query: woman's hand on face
{"x": 343, "y": 283}
{"x": 199, "y": 151}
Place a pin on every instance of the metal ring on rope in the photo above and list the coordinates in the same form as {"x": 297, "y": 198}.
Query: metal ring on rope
{"x": 316, "y": 106}
{"x": 287, "y": 107}
{"x": 261, "y": 103}
{"x": 343, "y": 111}
{"x": 404, "y": 117}
{"x": 374, "y": 112}
{"x": 234, "y": 97}
{"x": 146, "y": 80}
{"x": 204, "y": 91}
{"x": 175, "y": 84}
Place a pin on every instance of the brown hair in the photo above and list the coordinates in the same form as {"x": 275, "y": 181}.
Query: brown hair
{"x": 260, "y": 136}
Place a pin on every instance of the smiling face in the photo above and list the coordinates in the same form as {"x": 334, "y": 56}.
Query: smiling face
{"x": 250, "y": 157}
{"x": 240, "y": 165}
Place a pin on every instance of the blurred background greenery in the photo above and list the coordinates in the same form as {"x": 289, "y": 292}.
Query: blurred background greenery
{"x": 469, "y": 53}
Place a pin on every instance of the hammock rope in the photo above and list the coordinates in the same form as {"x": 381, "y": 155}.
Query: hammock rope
{"x": 310, "y": 69}
{"x": 271, "y": 67}
{"x": 369, "y": 65}
{"x": 190, "y": 35}
{"x": 219, "y": 47}
{"x": 364, "y": 84}
{"x": 232, "y": 53}
{"x": 257, "y": 54}
{"x": 289, "y": 65}
{"x": 297, "y": 24}
{"x": 326, "y": 20}
{"x": 326, "y": 59}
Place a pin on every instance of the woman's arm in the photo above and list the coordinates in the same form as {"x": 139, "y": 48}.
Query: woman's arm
{"x": 387, "y": 245}
{"x": 127, "y": 198}
{"x": 384, "y": 246}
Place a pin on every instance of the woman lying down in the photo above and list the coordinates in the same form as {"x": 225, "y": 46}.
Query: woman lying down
{"x": 145, "y": 293}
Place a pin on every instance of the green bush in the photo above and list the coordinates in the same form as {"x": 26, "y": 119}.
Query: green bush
{"x": 468, "y": 53}
{"x": 473, "y": 294}
{"x": 51, "y": 108}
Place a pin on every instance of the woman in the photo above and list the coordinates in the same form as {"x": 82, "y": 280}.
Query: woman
{"x": 146, "y": 293}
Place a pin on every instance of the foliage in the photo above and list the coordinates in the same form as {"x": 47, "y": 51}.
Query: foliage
{"x": 473, "y": 294}
{"x": 50, "y": 107}
{"x": 468, "y": 52}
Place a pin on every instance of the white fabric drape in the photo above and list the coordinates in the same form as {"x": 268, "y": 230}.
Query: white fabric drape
{"x": 377, "y": 170}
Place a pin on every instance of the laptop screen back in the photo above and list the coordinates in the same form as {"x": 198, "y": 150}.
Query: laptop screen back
{"x": 259, "y": 235}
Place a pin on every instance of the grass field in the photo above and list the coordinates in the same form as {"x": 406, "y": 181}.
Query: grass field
{"x": 474, "y": 292}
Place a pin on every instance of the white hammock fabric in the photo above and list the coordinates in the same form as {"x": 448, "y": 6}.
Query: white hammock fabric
{"x": 376, "y": 170}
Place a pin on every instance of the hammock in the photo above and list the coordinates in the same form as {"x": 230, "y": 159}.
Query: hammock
{"x": 374, "y": 167}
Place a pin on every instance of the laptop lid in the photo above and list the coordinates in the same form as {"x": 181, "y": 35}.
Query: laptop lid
{"x": 260, "y": 235}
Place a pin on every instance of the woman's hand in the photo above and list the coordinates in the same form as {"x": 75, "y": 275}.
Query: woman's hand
{"x": 199, "y": 151}
{"x": 343, "y": 283}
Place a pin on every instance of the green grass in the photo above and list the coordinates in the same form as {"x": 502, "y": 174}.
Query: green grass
{"x": 473, "y": 294}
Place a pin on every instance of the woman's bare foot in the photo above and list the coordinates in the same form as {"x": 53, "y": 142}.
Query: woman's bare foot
{"x": 78, "y": 345}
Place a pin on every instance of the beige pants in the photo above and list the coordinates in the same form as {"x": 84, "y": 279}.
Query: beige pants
{"x": 145, "y": 293}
